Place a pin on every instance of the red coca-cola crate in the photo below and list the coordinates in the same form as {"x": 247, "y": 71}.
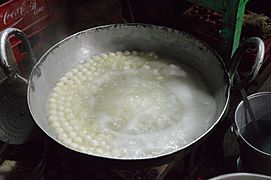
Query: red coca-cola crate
{"x": 30, "y": 16}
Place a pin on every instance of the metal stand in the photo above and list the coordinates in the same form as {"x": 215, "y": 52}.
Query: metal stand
{"x": 233, "y": 13}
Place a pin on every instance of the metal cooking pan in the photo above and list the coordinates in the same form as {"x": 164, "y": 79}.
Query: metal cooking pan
{"x": 110, "y": 38}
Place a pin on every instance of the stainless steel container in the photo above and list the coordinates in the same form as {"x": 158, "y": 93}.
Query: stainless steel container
{"x": 253, "y": 159}
{"x": 241, "y": 176}
{"x": 121, "y": 37}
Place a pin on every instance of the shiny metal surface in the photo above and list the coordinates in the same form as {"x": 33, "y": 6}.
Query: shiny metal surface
{"x": 237, "y": 57}
{"x": 252, "y": 158}
{"x": 241, "y": 176}
{"x": 8, "y": 70}
{"x": 16, "y": 124}
{"x": 121, "y": 37}
{"x": 81, "y": 46}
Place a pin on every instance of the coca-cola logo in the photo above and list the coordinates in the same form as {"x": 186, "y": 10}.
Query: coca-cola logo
{"x": 17, "y": 14}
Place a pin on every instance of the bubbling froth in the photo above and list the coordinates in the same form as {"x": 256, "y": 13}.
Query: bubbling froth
{"x": 130, "y": 105}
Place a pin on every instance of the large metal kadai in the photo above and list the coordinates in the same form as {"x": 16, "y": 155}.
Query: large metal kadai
{"x": 141, "y": 37}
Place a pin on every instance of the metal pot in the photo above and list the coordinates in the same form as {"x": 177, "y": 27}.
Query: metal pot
{"x": 253, "y": 159}
{"x": 241, "y": 176}
{"x": 141, "y": 37}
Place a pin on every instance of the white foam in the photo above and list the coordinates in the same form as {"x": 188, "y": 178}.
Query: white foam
{"x": 131, "y": 105}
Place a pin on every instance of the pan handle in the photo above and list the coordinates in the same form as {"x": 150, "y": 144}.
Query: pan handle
{"x": 8, "y": 70}
{"x": 237, "y": 57}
